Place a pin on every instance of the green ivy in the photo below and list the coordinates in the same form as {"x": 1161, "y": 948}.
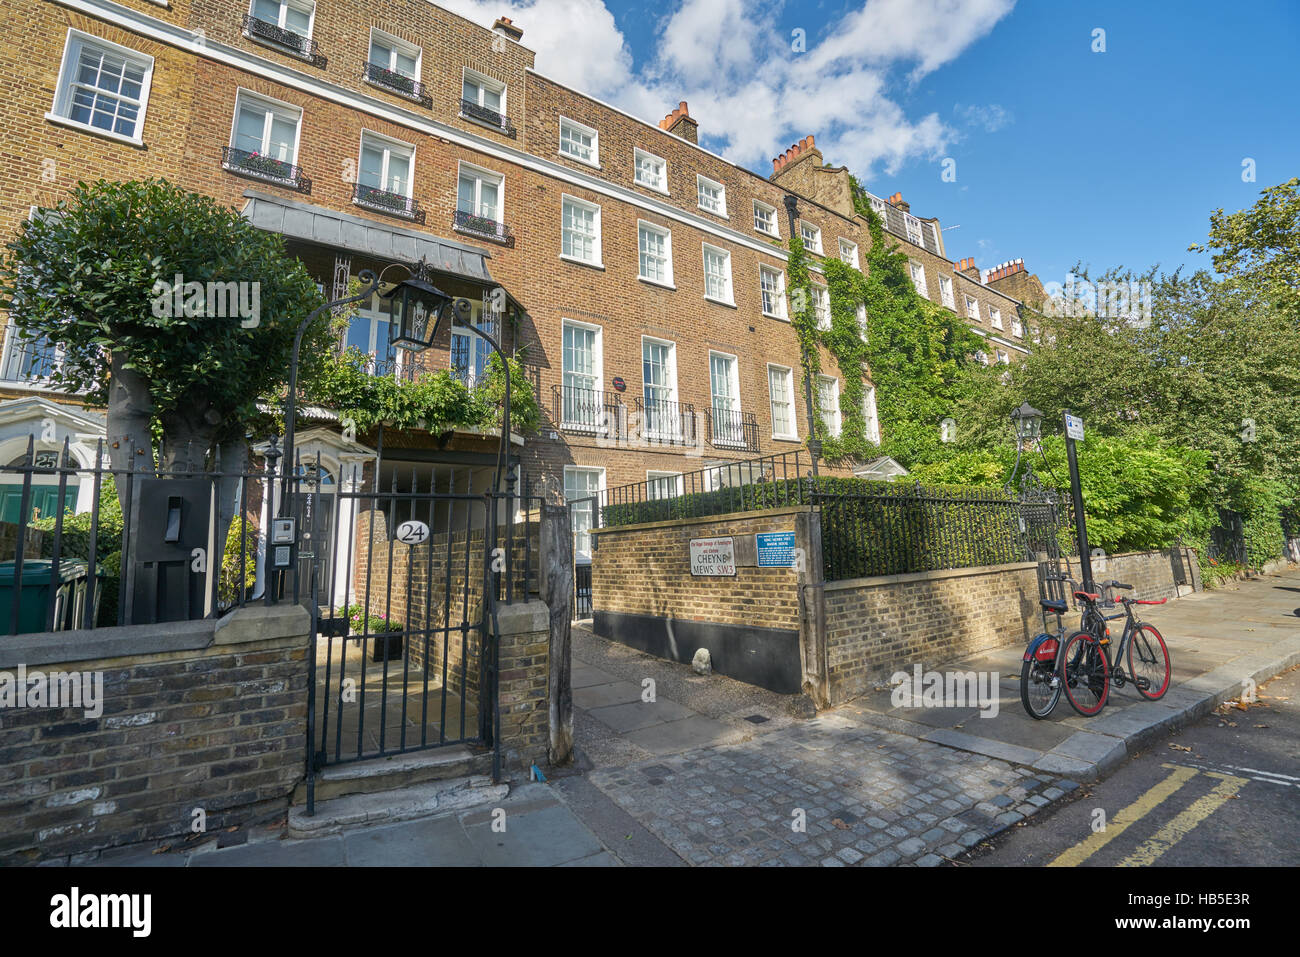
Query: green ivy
{"x": 435, "y": 401}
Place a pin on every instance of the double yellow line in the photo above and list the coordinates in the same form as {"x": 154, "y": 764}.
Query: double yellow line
{"x": 1169, "y": 835}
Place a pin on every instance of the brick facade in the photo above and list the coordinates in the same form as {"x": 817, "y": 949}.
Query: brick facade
{"x": 189, "y": 120}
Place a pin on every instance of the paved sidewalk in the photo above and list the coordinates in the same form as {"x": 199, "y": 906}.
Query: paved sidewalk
{"x": 1216, "y": 640}
{"x": 539, "y": 831}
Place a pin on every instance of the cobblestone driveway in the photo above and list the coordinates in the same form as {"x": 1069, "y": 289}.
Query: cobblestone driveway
{"x": 870, "y": 797}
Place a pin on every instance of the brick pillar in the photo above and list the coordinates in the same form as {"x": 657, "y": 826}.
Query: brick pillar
{"x": 525, "y": 667}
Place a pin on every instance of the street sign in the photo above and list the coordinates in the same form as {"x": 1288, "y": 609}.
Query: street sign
{"x": 1074, "y": 427}
{"x": 713, "y": 557}
{"x": 775, "y": 549}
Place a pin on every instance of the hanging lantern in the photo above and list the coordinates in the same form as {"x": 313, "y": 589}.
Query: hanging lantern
{"x": 415, "y": 310}
{"x": 1028, "y": 422}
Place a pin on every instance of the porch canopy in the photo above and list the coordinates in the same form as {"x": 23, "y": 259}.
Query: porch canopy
{"x": 359, "y": 236}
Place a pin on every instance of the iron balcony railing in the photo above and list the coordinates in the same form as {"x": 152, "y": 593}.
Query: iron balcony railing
{"x": 589, "y": 412}
{"x": 263, "y": 31}
{"x": 31, "y": 362}
{"x": 666, "y": 423}
{"x": 483, "y": 227}
{"x": 499, "y": 121}
{"x": 395, "y": 82}
{"x": 266, "y": 168}
{"x": 386, "y": 201}
{"x": 732, "y": 429}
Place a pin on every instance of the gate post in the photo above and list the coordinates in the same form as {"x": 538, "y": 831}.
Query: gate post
{"x": 557, "y": 592}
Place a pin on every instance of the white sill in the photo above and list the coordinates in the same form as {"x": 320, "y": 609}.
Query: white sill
{"x": 95, "y": 130}
{"x": 582, "y": 262}
{"x": 785, "y": 438}
{"x": 763, "y": 232}
{"x": 721, "y": 302}
{"x": 579, "y": 159}
{"x": 714, "y": 212}
{"x": 774, "y": 316}
{"x": 653, "y": 189}
{"x": 656, "y": 282}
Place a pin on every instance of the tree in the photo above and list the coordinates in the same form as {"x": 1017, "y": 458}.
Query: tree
{"x": 1258, "y": 249}
{"x": 169, "y": 309}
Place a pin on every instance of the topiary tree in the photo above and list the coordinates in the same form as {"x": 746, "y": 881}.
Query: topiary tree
{"x": 171, "y": 310}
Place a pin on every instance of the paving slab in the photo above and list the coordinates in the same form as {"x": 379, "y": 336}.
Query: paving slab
{"x": 696, "y": 731}
{"x": 440, "y": 842}
{"x": 640, "y": 714}
{"x": 542, "y": 838}
{"x": 319, "y": 852}
{"x": 613, "y": 692}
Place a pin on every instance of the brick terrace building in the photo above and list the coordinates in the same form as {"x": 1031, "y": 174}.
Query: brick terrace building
{"x": 647, "y": 273}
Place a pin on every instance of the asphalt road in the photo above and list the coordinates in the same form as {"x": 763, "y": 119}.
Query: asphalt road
{"x": 1222, "y": 792}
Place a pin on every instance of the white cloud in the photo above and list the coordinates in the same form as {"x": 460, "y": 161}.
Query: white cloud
{"x": 751, "y": 94}
{"x": 989, "y": 118}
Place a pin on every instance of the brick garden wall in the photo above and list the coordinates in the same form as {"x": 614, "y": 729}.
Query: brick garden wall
{"x": 1150, "y": 573}
{"x": 435, "y": 585}
{"x": 193, "y": 717}
{"x": 876, "y": 626}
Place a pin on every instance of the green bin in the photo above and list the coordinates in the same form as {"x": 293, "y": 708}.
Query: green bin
{"x": 34, "y": 603}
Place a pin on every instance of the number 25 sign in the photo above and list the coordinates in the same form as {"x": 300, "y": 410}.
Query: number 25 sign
{"x": 412, "y": 533}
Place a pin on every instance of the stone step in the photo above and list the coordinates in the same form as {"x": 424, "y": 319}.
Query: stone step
{"x": 395, "y": 771}
{"x": 401, "y": 804}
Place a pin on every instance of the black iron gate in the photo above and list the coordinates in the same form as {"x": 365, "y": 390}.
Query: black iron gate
{"x": 402, "y": 585}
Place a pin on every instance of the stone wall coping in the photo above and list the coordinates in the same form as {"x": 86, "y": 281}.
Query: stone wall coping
{"x": 881, "y": 580}
{"x": 249, "y": 624}
{"x": 704, "y": 520}
{"x": 524, "y": 617}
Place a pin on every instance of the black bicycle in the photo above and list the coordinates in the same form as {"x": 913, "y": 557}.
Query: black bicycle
{"x": 1141, "y": 647}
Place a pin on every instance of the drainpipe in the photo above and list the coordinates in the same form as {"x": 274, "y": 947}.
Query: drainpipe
{"x": 814, "y": 443}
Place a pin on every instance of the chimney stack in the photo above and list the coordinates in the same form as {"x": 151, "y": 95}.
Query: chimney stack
{"x": 505, "y": 26}
{"x": 1003, "y": 270}
{"x": 802, "y": 148}
{"x": 968, "y": 268}
{"x": 680, "y": 124}
{"x": 897, "y": 201}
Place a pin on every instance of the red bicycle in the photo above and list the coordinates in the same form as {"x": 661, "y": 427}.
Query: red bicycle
{"x": 1088, "y": 652}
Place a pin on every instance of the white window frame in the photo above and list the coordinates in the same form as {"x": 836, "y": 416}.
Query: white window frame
{"x": 730, "y": 298}
{"x": 995, "y": 316}
{"x": 596, "y": 242}
{"x": 946, "y": 293}
{"x": 639, "y": 154}
{"x": 73, "y": 44}
{"x": 667, "y": 235}
{"x": 836, "y": 426}
{"x": 850, "y": 247}
{"x": 583, "y": 128}
{"x": 653, "y": 476}
{"x": 812, "y": 243}
{"x": 482, "y": 175}
{"x": 915, "y": 236}
{"x": 700, "y": 181}
{"x": 972, "y": 308}
{"x": 821, "y": 297}
{"x": 398, "y": 45}
{"x": 300, "y": 6}
{"x": 1017, "y": 328}
{"x": 788, "y": 374}
{"x": 870, "y": 413}
{"x": 287, "y": 110}
{"x": 862, "y": 320}
{"x": 484, "y": 82}
{"x": 784, "y": 313}
{"x": 583, "y": 556}
{"x": 674, "y": 420}
{"x": 728, "y": 440}
{"x": 1003, "y": 358}
{"x": 390, "y": 146}
{"x": 598, "y": 367}
{"x": 918, "y": 269}
{"x": 775, "y": 232}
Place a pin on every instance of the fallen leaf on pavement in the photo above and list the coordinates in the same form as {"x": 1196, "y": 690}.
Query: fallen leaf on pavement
{"x": 840, "y": 824}
{"x": 1179, "y": 747}
{"x": 1261, "y": 726}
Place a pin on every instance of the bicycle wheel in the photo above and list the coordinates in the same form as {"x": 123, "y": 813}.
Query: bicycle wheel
{"x": 1148, "y": 663}
{"x": 1039, "y": 689}
{"x": 1087, "y": 674}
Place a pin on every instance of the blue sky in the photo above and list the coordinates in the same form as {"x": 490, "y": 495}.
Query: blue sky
{"x": 1061, "y": 154}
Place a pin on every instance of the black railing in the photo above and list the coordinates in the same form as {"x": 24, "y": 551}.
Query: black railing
{"x": 589, "y": 412}
{"x": 395, "y": 82}
{"x": 483, "y": 227}
{"x": 386, "y": 201}
{"x": 498, "y": 121}
{"x": 296, "y": 44}
{"x": 730, "y": 429}
{"x": 266, "y": 168}
{"x": 662, "y": 422}
{"x": 582, "y": 606}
